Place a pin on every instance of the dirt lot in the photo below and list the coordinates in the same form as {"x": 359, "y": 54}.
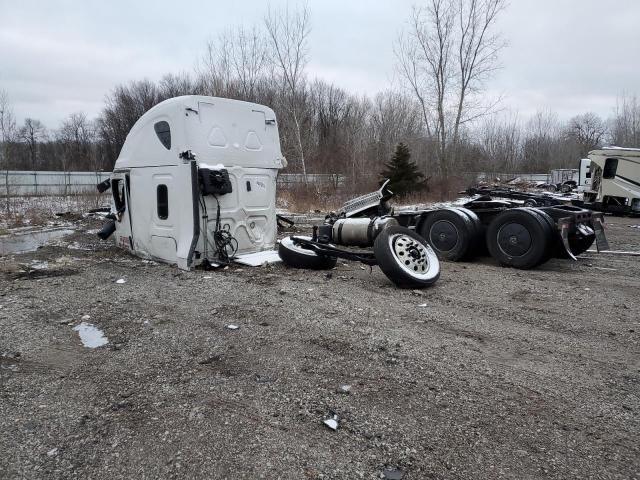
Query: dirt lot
{"x": 492, "y": 373}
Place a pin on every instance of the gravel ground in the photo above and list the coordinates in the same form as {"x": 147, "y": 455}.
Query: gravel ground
{"x": 491, "y": 373}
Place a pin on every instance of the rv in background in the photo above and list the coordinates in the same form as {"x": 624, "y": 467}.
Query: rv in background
{"x": 614, "y": 174}
{"x": 584, "y": 175}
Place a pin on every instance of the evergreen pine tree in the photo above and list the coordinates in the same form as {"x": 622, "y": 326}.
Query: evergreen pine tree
{"x": 403, "y": 173}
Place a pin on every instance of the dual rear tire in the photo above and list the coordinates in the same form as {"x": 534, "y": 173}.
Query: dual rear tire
{"x": 521, "y": 238}
{"x": 454, "y": 233}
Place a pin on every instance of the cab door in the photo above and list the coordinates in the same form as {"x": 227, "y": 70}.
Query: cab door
{"x": 166, "y": 216}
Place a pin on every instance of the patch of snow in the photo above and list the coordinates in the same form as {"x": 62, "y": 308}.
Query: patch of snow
{"x": 218, "y": 166}
{"x": 91, "y": 336}
{"x": 121, "y": 281}
{"x": 231, "y": 326}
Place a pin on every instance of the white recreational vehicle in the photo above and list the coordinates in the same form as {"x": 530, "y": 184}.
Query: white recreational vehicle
{"x": 196, "y": 181}
{"x": 615, "y": 180}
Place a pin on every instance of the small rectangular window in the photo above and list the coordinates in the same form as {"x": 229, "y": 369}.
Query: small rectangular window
{"x": 610, "y": 167}
{"x": 162, "y": 194}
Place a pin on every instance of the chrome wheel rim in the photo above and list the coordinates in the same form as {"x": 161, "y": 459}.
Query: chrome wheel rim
{"x": 414, "y": 257}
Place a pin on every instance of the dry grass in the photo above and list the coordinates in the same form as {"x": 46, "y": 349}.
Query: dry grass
{"x": 39, "y": 210}
{"x": 326, "y": 198}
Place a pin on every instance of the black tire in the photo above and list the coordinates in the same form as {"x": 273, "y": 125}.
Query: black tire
{"x": 406, "y": 258}
{"x": 477, "y": 243}
{"x": 449, "y": 232}
{"x": 518, "y": 238}
{"x": 549, "y": 227}
{"x": 297, "y": 257}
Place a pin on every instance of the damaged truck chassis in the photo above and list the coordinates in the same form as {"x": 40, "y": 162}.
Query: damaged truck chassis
{"x": 404, "y": 241}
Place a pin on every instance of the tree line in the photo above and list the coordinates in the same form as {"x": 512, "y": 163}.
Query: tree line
{"x": 446, "y": 56}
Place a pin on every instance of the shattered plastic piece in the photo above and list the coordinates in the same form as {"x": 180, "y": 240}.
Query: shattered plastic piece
{"x": 332, "y": 422}
{"x": 231, "y": 326}
{"x": 85, "y": 317}
{"x": 422, "y": 305}
{"x": 258, "y": 258}
{"x": 121, "y": 281}
{"x": 52, "y": 452}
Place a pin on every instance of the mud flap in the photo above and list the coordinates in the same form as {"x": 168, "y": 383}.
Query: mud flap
{"x": 598, "y": 227}
{"x": 563, "y": 225}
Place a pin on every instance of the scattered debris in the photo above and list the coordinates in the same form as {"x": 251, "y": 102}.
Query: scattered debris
{"x": 392, "y": 474}
{"x": 332, "y": 422}
{"x": 633, "y": 226}
{"x": 53, "y": 452}
{"x": 231, "y": 326}
{"x": 90, "y": 336}
{"x": 346, "y": 389}
{"x": 121, "y": 281}
{"x": 85, "y": 317}
{"x": 210, "y": 360}
{"x": 606, "y": 269}
{"x": 422, "y": 305}
{"x": 257, "y": 259}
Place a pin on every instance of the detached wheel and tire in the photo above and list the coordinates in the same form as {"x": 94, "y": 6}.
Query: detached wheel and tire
{"x": 519, "y": 238}
{"x": 298, "y": 257}
{"x": 406, "y": 258}
{"x": 450, "y": 232}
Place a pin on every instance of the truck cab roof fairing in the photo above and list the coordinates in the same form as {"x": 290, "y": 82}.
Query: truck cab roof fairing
{"x": 217, "y": 130}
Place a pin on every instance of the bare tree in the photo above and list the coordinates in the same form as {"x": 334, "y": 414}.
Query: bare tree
{"x": 8, "y": 134}
{"x": 288, "y": 32}
{"x": 625, "y": 125}
{"x": 447, "y": 54}
{"x": 235, "y": 63}
{"x": 32, "y": 133}
{"x": 76, "y": 138}
{"x": 500, "y": 143}
{"x": 587, "y": 131}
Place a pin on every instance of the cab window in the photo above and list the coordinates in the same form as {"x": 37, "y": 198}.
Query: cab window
{"x": 163, "y": 131}
{"x": 162, "y": 196}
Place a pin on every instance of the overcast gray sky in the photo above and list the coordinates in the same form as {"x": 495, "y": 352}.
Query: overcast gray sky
{"x": 58, "y": 57}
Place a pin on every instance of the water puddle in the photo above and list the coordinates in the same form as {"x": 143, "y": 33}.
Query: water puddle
{"x": 28, "y": 242}
{"x": 91, "y": 336}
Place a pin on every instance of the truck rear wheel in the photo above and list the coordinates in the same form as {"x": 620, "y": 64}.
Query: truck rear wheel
{"x": 449, "y": 232}
{"x": 298, "y": 257}
{"x": 518, "y": 238}
{"x": 406, "y": 258}
{"x": 549, "y": 226}
{"x": 477, "y": 244}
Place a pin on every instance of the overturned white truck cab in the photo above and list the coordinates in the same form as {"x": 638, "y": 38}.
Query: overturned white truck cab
{"x": 195, "y": 182}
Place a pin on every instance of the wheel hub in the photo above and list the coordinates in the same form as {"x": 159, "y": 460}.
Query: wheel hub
{"x": 411, "y": 254}
{"x": 443, "y": 235}
{"x": 514, "y": 239}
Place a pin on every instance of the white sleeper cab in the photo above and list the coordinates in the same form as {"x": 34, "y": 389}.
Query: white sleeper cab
{"x": 195, "y": 182}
